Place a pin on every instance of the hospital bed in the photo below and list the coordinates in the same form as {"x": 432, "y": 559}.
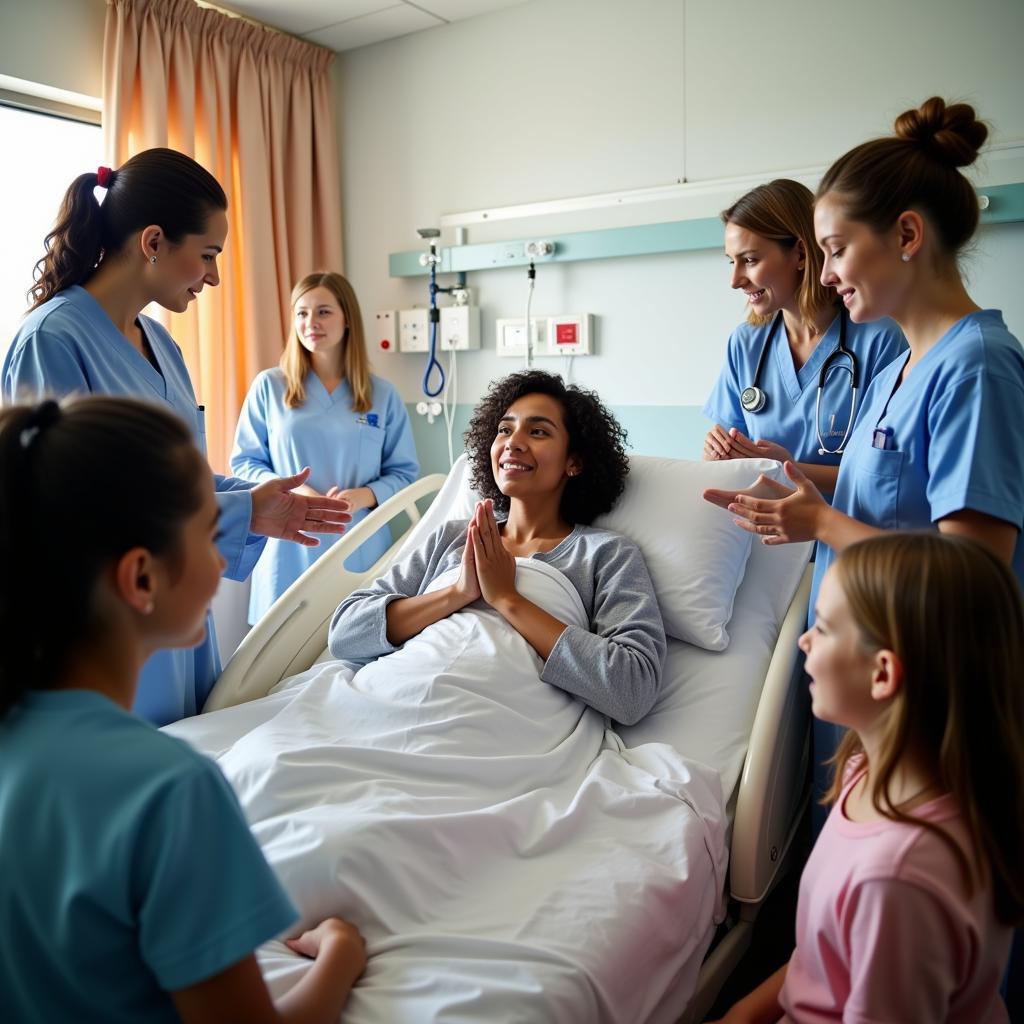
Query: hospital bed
{"x": 742, "y": 712}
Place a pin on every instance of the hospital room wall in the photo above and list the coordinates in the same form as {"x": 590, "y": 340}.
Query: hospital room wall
{"x": 562, "y": 98}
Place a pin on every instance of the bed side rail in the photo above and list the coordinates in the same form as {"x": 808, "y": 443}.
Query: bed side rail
{"x": 293, "y": 633}
{"x": 772, "y": 786}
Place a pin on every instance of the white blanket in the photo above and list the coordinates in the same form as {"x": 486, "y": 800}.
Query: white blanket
{"x": 505, "y": 856}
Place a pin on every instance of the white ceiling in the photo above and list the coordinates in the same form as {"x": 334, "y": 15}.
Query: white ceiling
{"x": 346, "y": 24}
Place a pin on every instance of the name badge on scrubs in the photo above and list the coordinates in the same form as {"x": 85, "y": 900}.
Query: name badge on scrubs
{"x": 883, "y": 439}
{"x": 371, "y": 419}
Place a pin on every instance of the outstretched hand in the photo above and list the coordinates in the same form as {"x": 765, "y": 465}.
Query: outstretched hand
{"x": 776, "y": 513}
{"x": 495, "y": 567}
{"x": 280, "y": 511}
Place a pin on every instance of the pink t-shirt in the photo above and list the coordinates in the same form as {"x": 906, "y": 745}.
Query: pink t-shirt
{"x": 884, "y": 931}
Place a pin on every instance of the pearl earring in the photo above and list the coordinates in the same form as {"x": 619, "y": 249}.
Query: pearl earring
{"x": 152, "y": 259}
{"x": 905, "y": 257}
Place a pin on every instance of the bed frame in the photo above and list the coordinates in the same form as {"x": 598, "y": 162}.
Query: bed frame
{"x": 772, "y": 792}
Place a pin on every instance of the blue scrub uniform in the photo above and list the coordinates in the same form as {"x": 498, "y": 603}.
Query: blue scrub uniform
{"x": 69, "y": 344}
{"x": 957, "y": 443}
{"x": 343, "y": 448}
{"x": 788, "y": 417}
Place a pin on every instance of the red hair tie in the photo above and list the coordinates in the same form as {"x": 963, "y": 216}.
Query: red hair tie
{"x": 103, "y": 176}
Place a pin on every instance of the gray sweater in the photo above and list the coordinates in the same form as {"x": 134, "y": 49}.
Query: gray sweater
{"x": 614, "y": 667}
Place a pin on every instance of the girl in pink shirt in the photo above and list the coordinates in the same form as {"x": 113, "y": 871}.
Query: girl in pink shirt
{"x": 908, "y": 899}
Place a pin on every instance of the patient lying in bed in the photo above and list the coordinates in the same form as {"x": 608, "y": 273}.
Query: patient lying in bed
{"x": 504, "y": 854}
{"x": 549, "y": 476}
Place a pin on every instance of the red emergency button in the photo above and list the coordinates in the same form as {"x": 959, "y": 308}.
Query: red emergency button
{"x": 384, "y": 343}
{"x": 567, "y": 334}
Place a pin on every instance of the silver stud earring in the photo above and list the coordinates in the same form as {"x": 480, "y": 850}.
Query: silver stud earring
{"x": 152, "y": 259}
{"x": 905, "y": 257}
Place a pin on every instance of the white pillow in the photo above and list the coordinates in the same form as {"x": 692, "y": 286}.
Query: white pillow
{"x": 695, "y": 553}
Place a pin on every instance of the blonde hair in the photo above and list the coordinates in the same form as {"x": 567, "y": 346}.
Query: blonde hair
{"x": 783, "y": 212}
{"x": 952, "y": 613}
{"x": 296, "y": 360}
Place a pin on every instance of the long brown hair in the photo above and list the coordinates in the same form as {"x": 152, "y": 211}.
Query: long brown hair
{"x": 915, "y": 169}
{"x": 156, "y": 186}
{"x": 952, "y": 613}
{"x": 296, "y": 360}
{"x": 783, "y": 212}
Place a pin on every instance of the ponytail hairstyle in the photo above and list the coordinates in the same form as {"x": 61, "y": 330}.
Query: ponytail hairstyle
{"x": 296, "y": 360}
{"x": 83, "y": 482}
{"x": 157, "y": 186}
{"x": 783, "y": 212}
{"x": 952, "y": 613}
{"x": 915, "y": 169}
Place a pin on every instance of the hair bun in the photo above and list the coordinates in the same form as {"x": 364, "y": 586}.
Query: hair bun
{"x": 950, "y": 134}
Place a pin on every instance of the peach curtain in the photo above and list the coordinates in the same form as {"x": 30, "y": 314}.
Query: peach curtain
{"x": 255, "y": 108}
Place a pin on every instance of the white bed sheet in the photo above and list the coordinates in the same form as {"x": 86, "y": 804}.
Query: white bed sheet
{"x": 505, "y": 855}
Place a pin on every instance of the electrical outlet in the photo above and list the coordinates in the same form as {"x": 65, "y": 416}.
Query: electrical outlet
{"x": 510, "y": 335}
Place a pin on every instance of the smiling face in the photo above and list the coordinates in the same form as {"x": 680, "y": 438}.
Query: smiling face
{"x": 763, "y": 270}
{"x": 530, "y": 454}
{"x": 182, "y": 271}
{"x": 864, "y": 267}
{"x": 840, "y": 664}
{"x": 319, "y": 321}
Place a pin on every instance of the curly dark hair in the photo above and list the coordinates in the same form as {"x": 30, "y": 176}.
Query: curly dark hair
{"x": 595, "y": 436}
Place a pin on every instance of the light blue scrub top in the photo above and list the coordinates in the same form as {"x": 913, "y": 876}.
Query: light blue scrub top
{"x": 342, "y": 447}
{"x": 957, "y": 426}
{"x": 127, "y": 870}
{"x": 788, "y": 417}
{"x": 69, "y": 344}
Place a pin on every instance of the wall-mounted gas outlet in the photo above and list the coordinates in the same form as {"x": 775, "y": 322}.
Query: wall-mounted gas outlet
{"x": 510, "y": 335}
{"x": 413, "y": 330}
{"x": 460, "y": 328}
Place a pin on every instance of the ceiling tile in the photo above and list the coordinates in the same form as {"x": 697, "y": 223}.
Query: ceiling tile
{"x": 301, "y": 16}
{"x": 398, "y": 20}
{"x": 456, "y": 10}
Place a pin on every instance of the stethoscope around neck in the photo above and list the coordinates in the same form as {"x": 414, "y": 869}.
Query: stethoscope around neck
{"x": 754, "y": 399}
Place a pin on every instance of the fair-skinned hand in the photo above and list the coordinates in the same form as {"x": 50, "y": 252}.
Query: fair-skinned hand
{"x": 776, "y": 513}
{"x": 280, "y": 511}
{"x": 721, "y": 444}
{"x": 357, "y": 497}
{"x": 744, "y": 448}
{"x": 717, "y": 444}
{"x": 495, "y": 567}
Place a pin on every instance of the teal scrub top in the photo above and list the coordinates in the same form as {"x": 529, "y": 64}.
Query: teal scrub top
{"x": 127, "y": 870}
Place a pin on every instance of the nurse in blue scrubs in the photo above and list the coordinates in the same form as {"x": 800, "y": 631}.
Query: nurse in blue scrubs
{"x": 766, "y": 401}
{"x": 155, "y": 238}
{"x": 323, "y": 408}
{"x": 939, "y": 441}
